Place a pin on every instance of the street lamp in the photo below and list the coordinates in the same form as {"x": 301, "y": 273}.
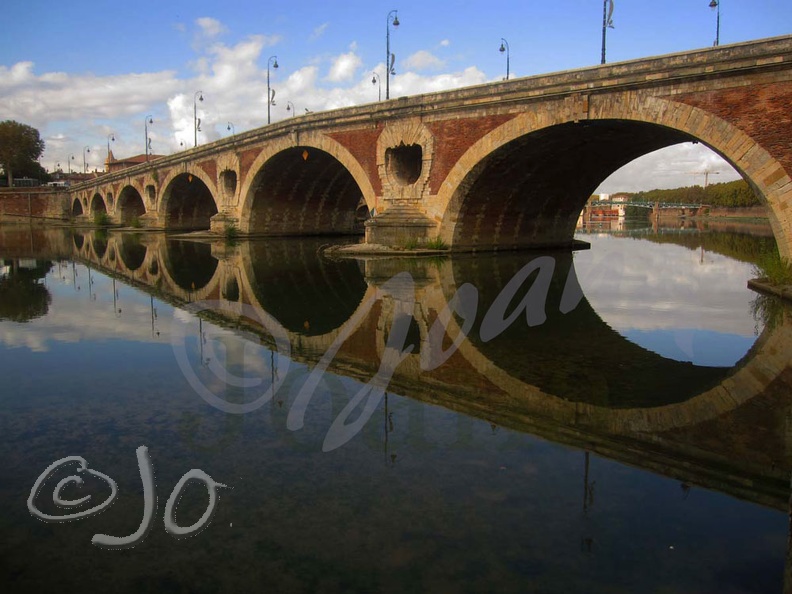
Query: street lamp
{"x": 374, "y": 80}
{"x": 146, "y": 122}
{"x": 86, "y": 149}
{"x": 110, "y": 138}
{"x": 230, "y": 127}
{"x": 290, "y": 107}
{"x": 270, "y": 93}
{"x": 196, "y": 122}
{"x": 607, "y": 22}
{"x": 389, "y": 58}
{"x": 68, "y": 161}
{"x": 505, "y": 48}
{"x": 716, "y": 4}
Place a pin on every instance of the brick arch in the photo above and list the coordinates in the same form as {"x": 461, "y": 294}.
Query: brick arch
{"x": 164, "y": 204}
{"x": 98, "y": 203}
{"x": 121, "y": 208}
{"x": 314, "y": 140}
{"x": 677, "y": 122}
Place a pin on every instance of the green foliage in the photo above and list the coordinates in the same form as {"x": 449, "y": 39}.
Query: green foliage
{"x": 102, "y": 219}
{"x": 135, "y": 223}
{"x": 20, "y": 147}
{"x": 728, "y": 194}
{"x": 775, "y": 269}
{"x": 231, "y": 234}
{"x": 436, "y": 243}
{"x": 411, "y": 244}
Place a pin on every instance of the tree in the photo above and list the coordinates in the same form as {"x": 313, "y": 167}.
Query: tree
{"x": 20, "y": 147}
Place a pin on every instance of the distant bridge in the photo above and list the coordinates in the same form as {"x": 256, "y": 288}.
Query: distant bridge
{"x": 503, "y": 165}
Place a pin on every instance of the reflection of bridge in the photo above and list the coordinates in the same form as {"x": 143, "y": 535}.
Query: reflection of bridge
{"x": 508, "y": 164}
{"x": 569, "y": 378}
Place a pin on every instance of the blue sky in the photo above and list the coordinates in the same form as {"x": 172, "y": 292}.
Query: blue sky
{"x": 84, "y": 70}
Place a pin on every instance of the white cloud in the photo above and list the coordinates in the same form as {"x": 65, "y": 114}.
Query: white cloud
{"x": 319, "y": 31}
{"x": 445, "y": 43}
{"x": 344, "y": 67}
{"x": 210, "y": 27}
{"x": 423, "y": 60}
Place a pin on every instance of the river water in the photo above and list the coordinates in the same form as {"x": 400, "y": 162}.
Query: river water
{"x": 617, "y": 419}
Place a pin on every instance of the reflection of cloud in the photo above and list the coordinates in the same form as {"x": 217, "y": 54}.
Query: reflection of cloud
{"x": 665, "y": 288}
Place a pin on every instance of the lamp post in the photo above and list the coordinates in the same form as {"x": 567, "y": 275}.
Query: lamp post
{"x": 505, "y": 48}
{"x": 146, "y": 122}
{"x": 230, "y": 127}
{"x": 110, "y": 138}
{"x": 196, "y": 122}
{"x": 716, "y": 4}
{"x": 270, "y": 94}
{"x": 86, "y": 149}
{"x": 389, "y": 58}
{"x": 290, "y": 107}
{"x": 68, "y": 161}
{"x": 374, "y": 80}
{"x": 607, "y": 22}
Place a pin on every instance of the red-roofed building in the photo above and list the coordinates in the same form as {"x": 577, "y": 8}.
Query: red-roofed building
{"x": 112, "y": 164}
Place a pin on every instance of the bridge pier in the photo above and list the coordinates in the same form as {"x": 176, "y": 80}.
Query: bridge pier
{"x": 400, "y": 225}
{"x": 222, "y": 222}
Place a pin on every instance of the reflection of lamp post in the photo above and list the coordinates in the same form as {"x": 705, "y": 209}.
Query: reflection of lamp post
{"x": 270, "y": 93}
{"x": 146, "y": 122}
{"x": 374, "y": 80}
{"x": 389, "y": 58}
{"x": 86, "y": 149}
{"x": 505, "y": 48}
{"x": 196, "y": 122}
{"x": 290, "y": 107}
{"x": 716, "y": 4}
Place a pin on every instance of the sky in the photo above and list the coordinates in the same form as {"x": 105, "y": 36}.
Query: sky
{"x": 84, "y": 73}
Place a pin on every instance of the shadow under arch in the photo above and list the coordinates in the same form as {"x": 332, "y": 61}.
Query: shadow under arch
{"x": 77, "y": 208}
{"x": 525, "y": 182}
{"x": 302, "y": 191}
{"x": 308, "y": 295}
{"x": 130, "y": 205}
{"x": 98, "y": 204}
{"x": 188, "y": 203}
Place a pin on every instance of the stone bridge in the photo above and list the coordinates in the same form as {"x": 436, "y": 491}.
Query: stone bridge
{"x": 503, "y": 165}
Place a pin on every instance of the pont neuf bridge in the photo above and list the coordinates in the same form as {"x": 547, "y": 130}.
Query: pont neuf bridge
{"x": 504, "y": 165}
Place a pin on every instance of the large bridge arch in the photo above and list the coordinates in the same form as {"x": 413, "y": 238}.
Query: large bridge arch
{"x": 343, "y": 164}
{"x": 130, "y": 205}
{"x": 98, "y": 204}
{"x": 478, "y": 210}
{"x": 189, "y": 200}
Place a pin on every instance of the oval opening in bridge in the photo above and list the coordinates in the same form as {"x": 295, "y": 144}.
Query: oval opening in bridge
{"x": 404, "y": 163}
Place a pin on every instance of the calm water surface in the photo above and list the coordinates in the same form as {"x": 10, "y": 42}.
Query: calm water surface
{"x": 617, "y": 420}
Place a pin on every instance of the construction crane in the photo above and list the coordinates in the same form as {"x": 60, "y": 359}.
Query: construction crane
{"x": 706, "y": 173}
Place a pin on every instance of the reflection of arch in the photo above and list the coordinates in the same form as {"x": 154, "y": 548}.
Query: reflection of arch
{"x": 131, "y": 252}
{"x": 720, "y": 390}
{"x": 130, "y": 205}
{"x": 305, "y": 141}
{"x": 308, "y": 295}
{"x": 542, "y": 146}
{"x": 189, "y": 265}
{"x": 188, "y": 201}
